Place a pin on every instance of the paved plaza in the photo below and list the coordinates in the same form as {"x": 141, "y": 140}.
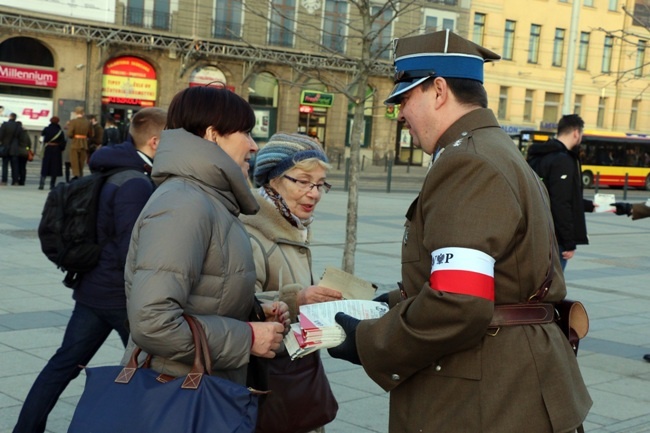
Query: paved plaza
{"x": 611, "y": 276}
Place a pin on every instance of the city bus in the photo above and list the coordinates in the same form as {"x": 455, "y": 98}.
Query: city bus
{"x": 609, "y": 157}
{"x": 606, "y": 157}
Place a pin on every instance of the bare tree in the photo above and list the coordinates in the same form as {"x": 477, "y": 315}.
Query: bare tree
{"x": 630, "y": 37}
{"x": 366, "y": 29}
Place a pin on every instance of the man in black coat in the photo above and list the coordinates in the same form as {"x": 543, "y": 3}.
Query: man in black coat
{"x": 557, "y": 163}
{"x": 7, "y": 132}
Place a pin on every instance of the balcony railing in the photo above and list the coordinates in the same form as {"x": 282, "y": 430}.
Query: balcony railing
{"x": 147, "y": 19}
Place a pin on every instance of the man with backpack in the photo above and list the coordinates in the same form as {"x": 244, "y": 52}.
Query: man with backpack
{"x": 557, "y": 163}
{"x": 100, "y": 302}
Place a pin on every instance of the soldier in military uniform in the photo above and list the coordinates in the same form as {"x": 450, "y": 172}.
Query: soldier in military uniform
{"x": 462, "y": 348}
{"x": 79, "y": 129}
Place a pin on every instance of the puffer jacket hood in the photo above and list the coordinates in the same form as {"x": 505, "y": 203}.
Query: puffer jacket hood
{"x": 183, "y": 154}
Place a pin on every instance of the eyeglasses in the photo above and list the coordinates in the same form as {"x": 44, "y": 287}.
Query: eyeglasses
{"x": 305, "y": 185}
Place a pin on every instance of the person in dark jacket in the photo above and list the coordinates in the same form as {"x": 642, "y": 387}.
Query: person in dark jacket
{"x": 7, "y": 131}
{"x": 54, "y": 142}
{"x": 100, "y": 302}
{"x": 557, "y": 163}
{"x": 19, "y": 155}
{"x": 111, "y": 133}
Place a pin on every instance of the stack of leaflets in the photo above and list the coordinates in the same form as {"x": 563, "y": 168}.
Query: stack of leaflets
{"x": 316, "y": 328}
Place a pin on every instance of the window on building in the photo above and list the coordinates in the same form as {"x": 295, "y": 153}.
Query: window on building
{"x": 479, "y": 28}
{"x": 161, "y": 15}
{"x": 558, "y": 47}
{"x": 282, "y": 22}
{"x": 435, "y": 20}
{"x": 228, "y": 19}
{"x": 607, "y": 54}
{"x": 602, "y": 105}
{"x": 577, "y": 105}
{"x": 381, "y": 43}
{"x": 551, "y": 107}
{"x": 533, "y": 44}
{"x": 641, "y": 14}
{"x": 528, "y": 105}
{"x": 335, "y": 25}
{"x": 589, "y": 3}
{"x": 430, "y": 24}
{"x": 583, "y": 51}
{"x": 135, "y": 13}
{"x": 634, "y": 113}
{"x": 613, "y": 5}
{"x": 640, "y": 58}
{"x": 509, "y": 40}
{"x": 502, "y": 111}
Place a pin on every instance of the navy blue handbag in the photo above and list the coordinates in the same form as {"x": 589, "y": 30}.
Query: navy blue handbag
{"x": 138, "y": 399}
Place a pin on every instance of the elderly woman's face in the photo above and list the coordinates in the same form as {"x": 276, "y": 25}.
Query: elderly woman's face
{"x": 301, "y": 190}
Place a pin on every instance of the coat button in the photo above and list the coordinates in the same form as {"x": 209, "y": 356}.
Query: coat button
{"x": 438, "y": 367}
{"x": 395, "y": 376}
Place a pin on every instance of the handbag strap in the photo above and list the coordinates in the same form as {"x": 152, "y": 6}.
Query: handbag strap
{"x": 202, "y": 359}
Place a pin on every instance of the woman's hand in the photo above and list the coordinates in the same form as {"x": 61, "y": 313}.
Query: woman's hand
{"x": 277, "y": 312}
{"x": 267, "y": 338}
{"x": 316, "y": 294}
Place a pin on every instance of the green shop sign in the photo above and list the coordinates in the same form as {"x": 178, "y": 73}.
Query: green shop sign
{"x": 316, "y": 99}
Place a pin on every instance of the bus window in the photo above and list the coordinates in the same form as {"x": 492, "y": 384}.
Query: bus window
{"x": 609, "y": 158}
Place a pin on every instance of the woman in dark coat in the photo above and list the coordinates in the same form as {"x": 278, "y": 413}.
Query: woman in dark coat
{"x": 54, "y": 142}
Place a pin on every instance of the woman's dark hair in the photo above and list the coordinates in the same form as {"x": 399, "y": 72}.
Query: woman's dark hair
{"x": 196, "y": 108}
{"x": 467, "y": 92}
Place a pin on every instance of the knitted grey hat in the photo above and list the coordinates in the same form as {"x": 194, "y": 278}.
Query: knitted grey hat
{"x": 281, "y": 153}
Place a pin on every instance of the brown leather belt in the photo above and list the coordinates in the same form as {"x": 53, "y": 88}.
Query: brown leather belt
{"x": 80, "y": 136}
{"x": 522, "y": 314}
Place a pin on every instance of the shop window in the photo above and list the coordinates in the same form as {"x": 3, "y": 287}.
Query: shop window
{"x": 367, "y": 118}
{"x": 263, "y": 97}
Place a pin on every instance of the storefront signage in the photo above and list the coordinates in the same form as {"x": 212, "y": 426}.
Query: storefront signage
{"x": 34, "y": 113}
{"x": 514, "y": 129}
{"x": 306, "y": 109}
{"x": 316, "y": 99}
{"x": 209, "y": 76}
{"x": 129, "y": 80}
{"x": 547, "y": 126}
{"x": 27, "y": 76}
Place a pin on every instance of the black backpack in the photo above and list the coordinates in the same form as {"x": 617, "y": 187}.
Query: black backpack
{"x": 68, "y": 227}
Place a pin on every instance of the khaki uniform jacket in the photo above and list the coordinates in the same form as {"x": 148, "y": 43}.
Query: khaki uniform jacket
{"x": 76, "y": 128}
{"x": 282, "y": 256}
{"x": 433, "y": 351}
{"x": 189, "y": 253}
{"x": 640, "y": 210}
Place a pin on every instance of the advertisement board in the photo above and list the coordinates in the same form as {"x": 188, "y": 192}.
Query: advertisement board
{"x": 27, "y": 76}
{"x": 34, "y": 113}
{"x": 129, "y": 80}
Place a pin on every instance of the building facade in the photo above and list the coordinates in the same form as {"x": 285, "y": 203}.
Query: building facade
{"x": 610, "y": 77}
{"x": 295, "y": 61}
